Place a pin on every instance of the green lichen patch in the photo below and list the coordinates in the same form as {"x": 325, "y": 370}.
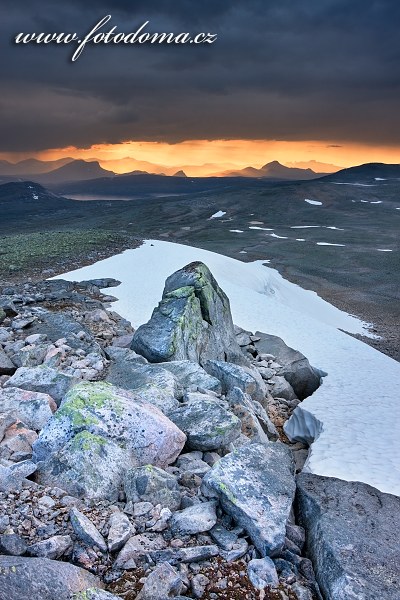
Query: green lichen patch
{"x": 84, "y": 399}
{"x": 183, "y": 292}
{"x": 88, "y": 442}
{"x": 227, "y": 492}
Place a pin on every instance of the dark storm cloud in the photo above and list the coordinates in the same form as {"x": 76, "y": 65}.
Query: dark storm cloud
{"x": 281, "y": 69}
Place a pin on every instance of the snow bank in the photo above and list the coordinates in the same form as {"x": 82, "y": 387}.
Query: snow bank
{"x": 314, "y": 202}
{"x": 355, "y": 412}
{"x": 328, "y": 244}
{"x": 218, "y": 214}
{"x": 261, "y": 228}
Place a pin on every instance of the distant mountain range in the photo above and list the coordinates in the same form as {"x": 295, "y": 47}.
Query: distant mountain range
{"x": 73, "y": 170}
{"x": 32, "y": 166}
{"x": 69, "y": 169}
{"x": 63, "y": 174}
{"x": 274, "y": 170}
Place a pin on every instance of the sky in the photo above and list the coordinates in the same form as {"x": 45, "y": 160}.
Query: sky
{"x": 295, "y": 81}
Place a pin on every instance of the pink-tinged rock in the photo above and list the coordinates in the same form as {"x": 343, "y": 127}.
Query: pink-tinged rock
{"x": 17, "y": 439}
{"x": 33, "y": 408}
{"x": 98, "y": 433}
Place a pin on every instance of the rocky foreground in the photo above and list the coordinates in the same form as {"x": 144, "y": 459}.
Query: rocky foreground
{"x": 152, "y": 465}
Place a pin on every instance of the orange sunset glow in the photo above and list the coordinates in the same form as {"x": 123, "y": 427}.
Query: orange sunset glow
{"x": 205, "y": 157}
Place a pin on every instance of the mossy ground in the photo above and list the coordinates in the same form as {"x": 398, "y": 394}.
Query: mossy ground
{"x": 29, "y": 254}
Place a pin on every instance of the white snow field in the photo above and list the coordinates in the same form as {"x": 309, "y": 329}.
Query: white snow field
{"x": 356, "y": 410}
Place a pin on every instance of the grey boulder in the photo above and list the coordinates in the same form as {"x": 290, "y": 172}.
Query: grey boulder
{"x": 256, "y": 424}
{"x": 255, "y": 485}
{"x": 138, "y": 546}
{"x": 162, "y": 583}
{"x": 86, "y": 530}
{"x": 352, "y": 537}
{"x": 151, "y": 484}
{"x": 192, "y": 322}
{"x": 42, "y": 379}
{"x": 54, "y": 547}
{"x": 207, "y": 424}
{"x": 247, "y": 378}
{"x": 13, "y": 477}
{"x": 150, "y": 383}
{"x": 194, "y": 519}
{"x": 97, "y": 434}
{"x": 33, "y": 408}
{"x": 120, "y": 530}
{"x": 12, "y": 544}
{"x": 296, "y": 369}
{"x": 42, "y": 579}
{"x": 262, "y": 573}
{"x": 192, "y": 376}
{"x": 281, "y": 388}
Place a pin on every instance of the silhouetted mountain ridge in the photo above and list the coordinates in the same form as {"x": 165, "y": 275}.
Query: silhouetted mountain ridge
{"x": 274, "y": 170}
{"x": 365, "y": 172}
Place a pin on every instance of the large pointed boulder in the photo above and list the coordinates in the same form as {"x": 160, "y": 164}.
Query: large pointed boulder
{"x": 192, "y": 322}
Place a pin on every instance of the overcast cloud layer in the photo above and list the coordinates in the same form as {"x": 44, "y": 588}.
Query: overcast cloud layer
{"x": 280, "y": 69}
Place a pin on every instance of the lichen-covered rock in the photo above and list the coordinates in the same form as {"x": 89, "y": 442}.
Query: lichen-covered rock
{"x": 94, "y": 594}
{"x": 246, "y": 378}
{"x": 192, "y": 322}
{"x": 153, "y": 485}
{"x": 150, "y": 383}
{"x": 206, "y": 422}
{"x": 98, "y": 433}
{"x": 42, "y": 379}
{"x": 352, "y": 537}
{"x": 255, "y": 485}
{"x": 296, "y": 369}
{"x": 42, "y": 579}
{"x": 33, "y": 408}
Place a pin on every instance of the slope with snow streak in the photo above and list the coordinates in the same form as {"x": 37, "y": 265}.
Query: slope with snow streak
{"x": 358, "y": 401}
